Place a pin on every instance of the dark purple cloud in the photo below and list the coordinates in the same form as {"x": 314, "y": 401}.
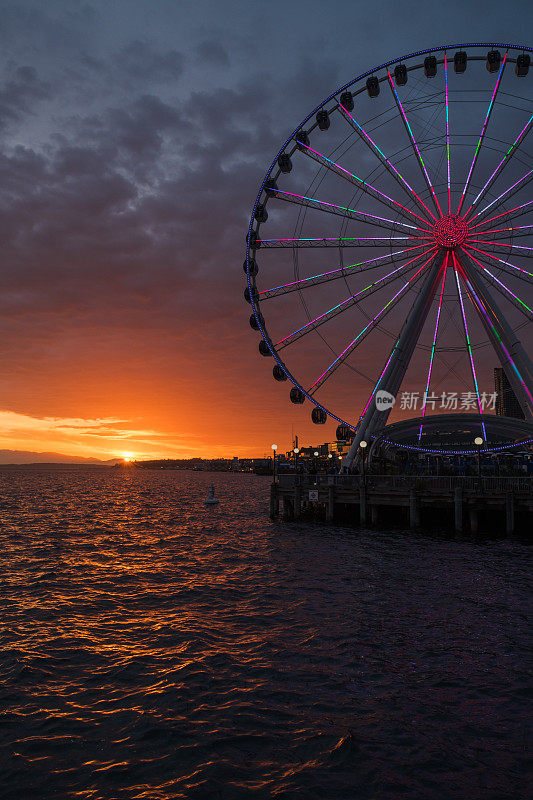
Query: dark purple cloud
{"x": 19, "y": 95}
{"x": 212, "y": 52}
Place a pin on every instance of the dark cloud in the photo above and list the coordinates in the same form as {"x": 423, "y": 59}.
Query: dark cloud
{"x": 212, "y": 52}
{"x": 19, "y": 94}
{"x": 141, "y": 61}
{"x": 132, "y": 202}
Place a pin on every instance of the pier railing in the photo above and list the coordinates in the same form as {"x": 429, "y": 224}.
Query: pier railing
{"x": 421, "y": 483}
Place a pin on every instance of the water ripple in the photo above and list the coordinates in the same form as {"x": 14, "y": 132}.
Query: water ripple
{"x": 155, "y": 648}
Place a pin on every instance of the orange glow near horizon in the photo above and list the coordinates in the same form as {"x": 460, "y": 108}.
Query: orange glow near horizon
{"x": 100, "y": 397}
{"x": 101, "y": 438}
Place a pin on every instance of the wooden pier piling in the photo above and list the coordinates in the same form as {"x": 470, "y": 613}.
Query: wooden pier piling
{"x": 274, "y": 500}
{"x": 458, "y": 509}
{"x": 288, "y": 507}
{"x": 297, "y": 502}
{"x": 362, "y": 505}
{"x": 414, "y": 510}
{"x": 505, "y": 503}
{"x": 509, "y": 513}
{"x": 330, "y": 511}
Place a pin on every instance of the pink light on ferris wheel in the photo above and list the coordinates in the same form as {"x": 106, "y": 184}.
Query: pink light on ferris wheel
{"x": 451, "y": 231}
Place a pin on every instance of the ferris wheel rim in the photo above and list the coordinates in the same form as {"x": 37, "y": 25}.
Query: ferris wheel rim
{"x": 292, "y": 140}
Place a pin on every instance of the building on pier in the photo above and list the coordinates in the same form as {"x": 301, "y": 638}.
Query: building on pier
{"x": 507, "y": 404}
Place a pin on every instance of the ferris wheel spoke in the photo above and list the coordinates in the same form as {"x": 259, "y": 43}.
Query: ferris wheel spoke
{"x": 524, "y": 274}
{"x": 506, "y": 233}
{"x": 503, "y": 289}
{"x": 501, "y": 166}
{"x": 366, "y": 330}
{"x": 503, "y": 247}
{"x": 468, "y": 345}
{"x": 434, "y": 345}
{"x": 340, "y": 272}
{"x": 387, "y": 163}
{"x": 521, "y": 183}
{"x": 342, "y": 211}
{"x": 342, "y": 241}
{"x": 482, "y": 135}
{"x": 378, "y": 195}
{"x": 414, "y": 144}
{"x": 331, "y": 242}
{"x": 505, "y": 216}
{"x": 354, "y": 299}
{"x": 447, "y": 141}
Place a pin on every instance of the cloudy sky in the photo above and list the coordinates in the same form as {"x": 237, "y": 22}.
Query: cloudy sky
{"x": 133, "y": 137}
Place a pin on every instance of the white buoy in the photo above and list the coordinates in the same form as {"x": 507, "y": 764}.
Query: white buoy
{"x": 211, "y": 500}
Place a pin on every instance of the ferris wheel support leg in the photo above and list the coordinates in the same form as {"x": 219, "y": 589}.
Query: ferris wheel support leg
{"x": 513, "y": 358}
{"x": 401, "y": 355}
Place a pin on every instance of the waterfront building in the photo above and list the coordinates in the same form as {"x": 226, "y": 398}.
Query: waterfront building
{"x": 507, "y": 404}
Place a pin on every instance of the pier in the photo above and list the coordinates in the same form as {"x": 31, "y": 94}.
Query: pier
{"x": 461, "y": 504}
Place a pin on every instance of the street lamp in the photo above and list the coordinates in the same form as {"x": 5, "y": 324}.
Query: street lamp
{"x": 274, "y": 448}
{"x": 363, "y": 445}
{"x": 296, "y": 452}
{"x": 478, "y": 441}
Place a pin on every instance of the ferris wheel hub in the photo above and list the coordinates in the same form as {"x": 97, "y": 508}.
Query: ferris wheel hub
{"x": 450, "y": 231}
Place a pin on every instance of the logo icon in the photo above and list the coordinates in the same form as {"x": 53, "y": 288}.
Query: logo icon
{"x": 384, "y": 400}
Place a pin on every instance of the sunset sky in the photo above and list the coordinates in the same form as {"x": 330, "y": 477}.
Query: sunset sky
{"x": 134, "y": 136}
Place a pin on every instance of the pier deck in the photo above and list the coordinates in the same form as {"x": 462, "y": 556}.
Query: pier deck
{"x": 460, "y": 503}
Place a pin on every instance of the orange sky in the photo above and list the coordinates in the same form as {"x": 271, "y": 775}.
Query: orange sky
{"x": 134, "y": 399}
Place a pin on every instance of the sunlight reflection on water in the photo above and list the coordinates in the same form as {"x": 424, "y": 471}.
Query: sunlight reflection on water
{"x": 156, "y": 648}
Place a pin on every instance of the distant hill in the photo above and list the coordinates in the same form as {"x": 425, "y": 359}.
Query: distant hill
{"x": 30, "y": 457}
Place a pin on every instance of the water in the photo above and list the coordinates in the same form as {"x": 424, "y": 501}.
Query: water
{"x": 155, "y": 648}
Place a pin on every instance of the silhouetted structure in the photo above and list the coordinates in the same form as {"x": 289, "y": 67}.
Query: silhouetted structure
{"x": 506, "y": 403}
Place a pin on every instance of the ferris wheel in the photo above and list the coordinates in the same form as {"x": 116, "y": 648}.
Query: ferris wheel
{"x": 388, "y": 244}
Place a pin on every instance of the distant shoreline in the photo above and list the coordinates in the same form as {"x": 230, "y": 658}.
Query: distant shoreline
{"x": 52, "y": 464}
{"x": 120, "y": 467}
